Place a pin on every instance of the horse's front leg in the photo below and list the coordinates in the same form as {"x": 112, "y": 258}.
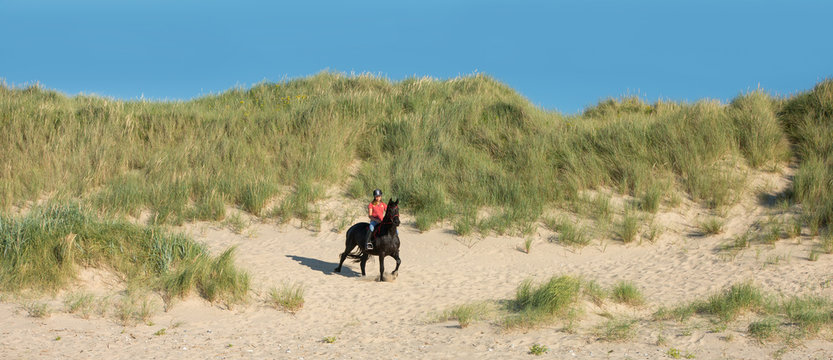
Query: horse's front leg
{"x": 381, "y": 266}
{"x": 363, "y": 262}
{"x": 396, "y": 257}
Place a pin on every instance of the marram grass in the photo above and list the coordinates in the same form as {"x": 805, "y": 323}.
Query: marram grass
{"x": 434, "y": 144}
{"x": 44, "y": 249}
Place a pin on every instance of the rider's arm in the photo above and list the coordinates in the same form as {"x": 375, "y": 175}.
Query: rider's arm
{"x": 369, "y": 212}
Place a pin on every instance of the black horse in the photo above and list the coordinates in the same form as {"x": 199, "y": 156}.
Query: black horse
{"x": 386, "y": 241}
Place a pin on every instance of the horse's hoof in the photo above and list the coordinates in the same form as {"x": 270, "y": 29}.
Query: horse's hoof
{"x": 338, "y": 270}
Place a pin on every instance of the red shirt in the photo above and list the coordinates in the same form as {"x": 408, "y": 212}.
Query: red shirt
{"x": 377, "y": 211}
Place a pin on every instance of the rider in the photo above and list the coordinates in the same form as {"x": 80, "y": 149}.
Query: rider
{"x": 376, "y": 211}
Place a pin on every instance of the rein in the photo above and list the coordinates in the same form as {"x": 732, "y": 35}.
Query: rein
{"x": 390, "y": 221}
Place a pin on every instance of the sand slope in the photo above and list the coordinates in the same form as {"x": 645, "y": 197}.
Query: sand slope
{"x": 394, "y": 319}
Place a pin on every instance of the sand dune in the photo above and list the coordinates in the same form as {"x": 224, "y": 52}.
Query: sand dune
{"x": 394, "y": 319}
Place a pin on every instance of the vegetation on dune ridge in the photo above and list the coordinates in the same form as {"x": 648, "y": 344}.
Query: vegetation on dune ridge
{"x": 44, "y": 249}
{"x": 808, "y": 119}
{"x": 469, "y": 140}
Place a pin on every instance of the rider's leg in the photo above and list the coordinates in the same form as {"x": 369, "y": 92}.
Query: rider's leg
{"x": 368, "y": 244}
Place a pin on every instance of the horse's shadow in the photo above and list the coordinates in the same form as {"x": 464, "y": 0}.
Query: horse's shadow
{"x": 325, "y": 267}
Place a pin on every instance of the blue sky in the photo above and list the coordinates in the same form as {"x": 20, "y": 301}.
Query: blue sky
{"x": 561, "y": 55}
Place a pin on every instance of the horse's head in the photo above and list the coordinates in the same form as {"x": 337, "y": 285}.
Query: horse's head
{"x": 392, "y": 212}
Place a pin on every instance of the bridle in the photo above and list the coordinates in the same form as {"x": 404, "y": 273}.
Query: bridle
{"x": 391, "y": 217}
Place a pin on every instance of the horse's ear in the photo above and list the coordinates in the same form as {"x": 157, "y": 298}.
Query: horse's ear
{"x": 396, "y": 201}
{"x": 390, "y": 200}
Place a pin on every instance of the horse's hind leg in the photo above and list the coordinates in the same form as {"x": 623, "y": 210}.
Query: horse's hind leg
{"x": 363, "y": 262}
{"x": 396, "y": 257}
{"x": 348, "y": 247}
{"x": 343, "y": 256}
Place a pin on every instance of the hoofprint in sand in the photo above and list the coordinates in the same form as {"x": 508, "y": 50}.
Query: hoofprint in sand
{"x": 346, "y": 316}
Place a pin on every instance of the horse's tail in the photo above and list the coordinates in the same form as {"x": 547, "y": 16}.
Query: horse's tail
{"x": 356, "y": 254}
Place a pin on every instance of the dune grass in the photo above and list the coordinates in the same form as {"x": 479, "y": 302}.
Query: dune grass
{"x": 788, "y": 317}
{"x": 288, "y": 297}
{"x": 443, "y": 147}
{"x": 725, "y": 305}
{"x": 629, "y": 226}
{"x": 616, "y": 329}
{"x": 467, "y": 313}
{"x": 44, "y": 249}
{"x": 135, "y": 307}
{"x": 81, "y": 303}
{"x": 539, "y": 304}
{"x": 808, "y": 120}
{"x": 711, "y": 225}
{"x": 569, "y": 233}
{"x": 763, "y": 329}
{"x": 37, "y": 309}
{"x": 627, "y": 293}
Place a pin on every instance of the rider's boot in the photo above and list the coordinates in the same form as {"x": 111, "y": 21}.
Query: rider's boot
{"x": 368, "y": 244}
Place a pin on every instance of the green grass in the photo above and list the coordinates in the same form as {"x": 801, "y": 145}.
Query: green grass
{"x": 763, "y": 329}
{"x": 81, "y": 303}
{"x": 37, "y": 309}
{"x": 527, "y": 246}
{"x": 620, "y": 329}
{"x": 808, "y": 121}
{"x": 809, "y": 313}
{"x": 727, "y": 305}
{"x": 627, "y": 293}
{"x": 826, "y": 242}
{"x": 236, "y": 223}
{"x": 288, "y": 297}
{"x": 629, "y": 227}
{"x": 675, "y": 353}
{"x": 757, "y": 130}
{"x": 595, "y": 292}
{"x": 329, "y": 339}
{"x": 468, "y": 140}
{"x": 467, "y": 313}
{"x": 712, "y": 226}
{"x": 44, "y": 249}
{"x": 135, "y": 307}
{"x": 538, "y": 349}
{"x": 539, "y": 304}
{"x": 791, "y": 317}
{"x": 569, "y": 234}
{"x": 652, "y": 197}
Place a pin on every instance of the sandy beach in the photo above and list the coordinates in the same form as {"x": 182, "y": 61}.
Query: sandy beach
{"x": 396, "y": 319}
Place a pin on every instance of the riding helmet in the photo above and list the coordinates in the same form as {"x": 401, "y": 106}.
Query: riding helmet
{"x": 377, "y": 192}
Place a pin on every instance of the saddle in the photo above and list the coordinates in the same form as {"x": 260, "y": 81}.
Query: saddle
{"x": 375, "y": 231}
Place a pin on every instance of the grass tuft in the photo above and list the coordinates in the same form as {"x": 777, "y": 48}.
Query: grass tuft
{"x": 763, "y": 329}
{"x": 38, "y": 310}
{"x": 570, "y": 234}
{"x": 288, "y": 297}
{"x": 43, "y": 250}
{"x": 466, "y": 314}
{"x": 538, "y": 349}
{"x": 534, "y": 305}
{"x": 728, "y": 304}
{"x": 629, "y": 227}
{"x": 617, "y": 330}
{"x": 80, "y": 302}
{"x": 809, "y": 313}
{"x": 626, "y": 293}
{"x": 712, "y": 226}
